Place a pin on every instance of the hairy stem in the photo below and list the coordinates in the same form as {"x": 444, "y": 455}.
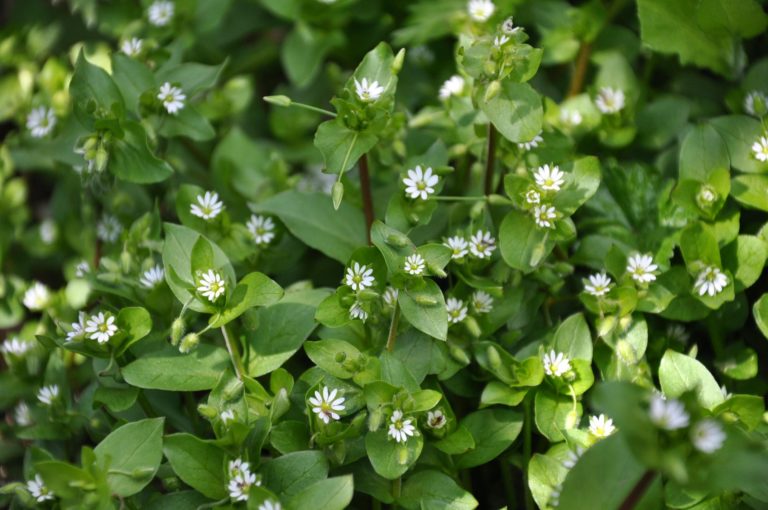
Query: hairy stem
{"x": 490, "y": 159}
{"x": 234, "y": 353}
{"x": 638, "y": 491}
{"x": 393, "y": 329}
{"x": 365, "y": 187}
{"x": 582, "y": 61}
{"x": 527, "y": 451}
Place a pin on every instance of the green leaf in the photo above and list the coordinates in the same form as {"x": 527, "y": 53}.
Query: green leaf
{"x": 573, "y": 338}
{"x": 303, "y": 52}
{"x": 743, "y": 18}
{"x": 423, "y": 306}
{"x": 135, "y": 322}
{"x": 389, "y": 458}
{"x": 523, "y": 245}
{"x": 555, "y": 413}
{"x": 331, "y": 494}
{"x": 341, "y": 146}
{"x": 494, "y": 430}
{"x": 702, "y": 152}
{"x": 582, "y": 184}
{"x": 458, "y": 441}
{"x": 192, "y": 77}
{"x": 131, "y": 160}
{"x": 679, "y": 373}
{"x": 167, "y": 369}
{"x": 292, "y": 473}
{"x": 739, "y": 133}
{"x": 116, "y": 399}
{"x": 94, "y": 94}
{"x": 255, "y": 289}
{"x": 187, "y": 122}
{"x": 698, "y": 244}
{"x": 745, "y": 259}
{"x": 516, "y": 112}
{"x": 327, "y": 353}
{"x": 133, "y": 78}
{"x": 760, "y": 312}
{"x": 64, "y": 480}
{"x": 433, "y": 490}
{"x": 200, "y": 464}
{"x": 751, "y": 190}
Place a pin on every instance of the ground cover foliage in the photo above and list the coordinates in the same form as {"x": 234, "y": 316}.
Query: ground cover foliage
{"x": 434, "y": 254}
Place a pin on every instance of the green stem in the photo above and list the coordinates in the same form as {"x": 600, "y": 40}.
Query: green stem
{"x": 527, "y": 450}
{"x": 365, "y": 188}
{"x": 313, "y": 108}
{"x": 490, "y": 159}
{"x": 397, "y": 484}
{"x": 506, "y": 480}
{"x": 234, "y": 353}
{"x": 393, "y": 329}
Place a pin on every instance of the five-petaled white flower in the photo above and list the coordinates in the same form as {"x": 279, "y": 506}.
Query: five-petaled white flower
{"x": 458, "y": 245}
{"x": 368, "y": 92}
{"x": 211, "y": 285}
{"x": 359, "y": 277}
{"x": 208, "y": 205}
{"x": 269, "y": 504}
{"x": 227, "y": 416}
{"x": 760, "y": 149}
{"x": 436, "y": 419}
{"x": 508, "y": 27}
{"x": 240, "y": 479}
{"x": 570, "y": 118}
{"x": 37, "y": 297}
{"x": 549, "y": 178}
{"x": 710, "y": 281}
{"x": 152, "y": 277}
{"x": 82, "y": 269}
{"x": 48, "y": 394}
{"x": 101, "y": 327}
{"x": 544, "y": 215}
{"x": 21, "y": 415}
{"x": 482, "y": 244}
{"x": 160, "y": 13}
{"x": 500, "y": 40}
{"x": 573, "y": 457}
{"x": 400, "y": 429}
{"x": 556, "y": 363}
{"x": 420, "y": 183}
{"x": 38, "y": 490}
{"x": 325, "y": 404}
{"x": 599, "y": 284}
{"x": 707, "y": 436}
{"x": 78, "y": 328}
{"x": 610, "y": 100}
{"x": 109, "y": 228}
{"x": 414, "y": 264}
{"x": 482, "y": 302}
{"x": 48, "y": 231}
{"x": 480, "y": 10}
{"x": 262, "y": 228}
{"x": 41, "y": 121}
{"x": 669, "y": 414}
{"x": 16, "y": 347}
{"x": 600, "y": 426}
{"x": 457, "y": 310}
{"x": 756, "y": 103}
{"x": 641, "y": 268}
{"x": 532, "y": 197}
{"x": 132, "y": 46}
{"x": 356, "y": 311}
{"x": 530, "y": 144}
{"x": 172, "y": 98}
{"x": 453, "y": 86}
{"x": 390, "y": 296}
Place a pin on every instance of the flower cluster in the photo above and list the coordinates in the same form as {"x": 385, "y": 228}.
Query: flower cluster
{"x": 669, "y": 414}
{"x": 241, "y": 479}
{"x": 548, "y": 180}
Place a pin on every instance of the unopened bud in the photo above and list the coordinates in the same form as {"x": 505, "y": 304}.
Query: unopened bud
{"x": 459, "y": 354}
{"x": 493, "y": 90}
{"x": 337, "y": 194}
{"x": 493, "y": 357}
{"x": 102, "y": 156}
{"x": 233, "y": 390}
{"x": 498, "y": 200}
{"x": 626, "y": 352}
{"x": 473, "y": 327}
{"x": 207, "y": 411}
{"x": 402, "y": 455}
{"x": 397, "y": 240}
{"x": 126, "y": 262}
{"x": 435, "y": 270}
{"x": 278, "y": 100}
{"x": 189, "y": 343}
{"x": 424, "y": 300}
{"x": 340, "y": 357}
{"x": 397, "y": 63}
{"x": 177, "y": 330}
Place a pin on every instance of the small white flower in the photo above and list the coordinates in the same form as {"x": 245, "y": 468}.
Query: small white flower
{"x": 599, "y": 284}
{"x": 172, "y": 98}
{"x": 600, "y": 426}
{"x": 457, "y": 310}
{"x": 227, "y": 416}
{"x": 21, "y": 415}
{"x": 152, "y": 277}
{"x": 160, "y": 13}
{"x": 610, "y": 100}
{"x": 573, "y": 457}
{"x": 326, "y": 406}
{"x": 668, "y": 414}
{"x": 677, "y": 332}
{"x": 556, "y": 363}
{"x": 760, "y": 149}
{"x": 41, "y": 121}
{"x": 16, "y": 347}
{"x": 400, "y": 429}
{"x": 414, "y": 264}
{"x": 458, "y": 246}
{"x": 549, "y": 178}
{"x": 262, "y": 228}
{"x": 480, "y": 10}
{"x": 755, "y": 103}
{"x": 420, "y": 184}
{"x": 78, "y": 328}
{"x": 240, "y": 485}
{"x": 508, "y": 27}
{"x": 710, "y": 281}
{"x": 211, "y": 285}
{"x": 356, "y": 311}
{"x": 208, "y": 205}
{"x": 48, "y": 394}
{"x": 725, "y": 392}
{"x": 436, "y": 419}
{"x": 482, "y": 244}
{"x": 359, "y": 277}
{"x": 109, "y": 229}
{"x": 530, "y": 144}
{"x": 707, "y": 436}
{"x": 706, "y": 196}
{"x": 570, "y": 118}
{"x": 532, "y": 197}
{"x": 500, "y": 40}
{"x": 132, "y": 46}
{"x": 82, "y": 269}
{"x": 238, "y": 467}
{"x": 544, "y": 216}
{"x": 37, "y": 297}
{"x": 390, "y": 296}
{"x": 554, "y": 496}
{"x": 453, "y": 86}
{"x": 101, "y": 327}
{"x": 38, "y": 490}
{"x": 269, "y": 504}
{"x": 48, "y": 231}
{"x": 641, "y": 268}
{"x": 368, "y": 92}
{"x": 482, "y": 302}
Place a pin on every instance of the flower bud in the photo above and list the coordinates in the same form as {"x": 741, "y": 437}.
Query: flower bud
{"x": 367, "y": 295}
{"x": 706, "y": 197}
{"x": 397, "y": 240}
{"x": 340, "y": 357}
{"x": 337, "y": 193}
{"x": 278, "y": 100}
{"x": 424, "y": 300}
{"x": 459, "y": 354}
{"x": 101, "y": 158}
{"x": 397, "y": 63}
{"x": 477, "y": 210}
{"x": 177, "y": 329}
{"x": 207, "y": 411}
{"x": 626, "y": 352}
{"x": 493, "y": 90}
{"x": 232, "y": 390}
{"x": 498, "y": 200}
{"x": 473, "y": 327}
{"x": 126, "y": 261}
{"x": 435, "y": 270}
{"x": 493, "y": 357}
{"x": 402, "y": 455}
{"x": 189, "y": 343}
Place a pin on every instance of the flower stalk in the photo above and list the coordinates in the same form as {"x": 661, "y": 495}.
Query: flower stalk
{"x": 365, "y": 188}
{"x": 234, "y": 353}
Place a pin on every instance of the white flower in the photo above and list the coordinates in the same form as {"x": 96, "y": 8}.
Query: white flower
{"x": 508, "y": 27}
{"x": 678, "y": 332}
{"x": 457, "y": 310}
{"x": 262, "y": 228}
{"x": 211, "y": 285}
{"x": 481, "y": 301}
{"x": 482, "y": 244}
{"x": 238, "y": 467}
{"x": 668, "y": 414}
{"x": 706, "y": 196}
{"x": 532, "y": 197}
{"x": 368, "y": 92}
{"x": 109, "y": 229}
{"x": 420, "y": 184}
{"x": 610, "y": 100}
{"x": 707, "y": 436}
{"x": 16, "y": 347}
{"x": 48, "y": 231}
{"x": 390, "y": 296}
{"x": 269, "y": 504}
{"x": 208, "y": 205}
{"x": 37, "y": 297}
{"x": 160, "y": 13}
{"x": 101, "y": 327}
{"x": 530, "y": 144}
{"x": 549, "y": 178}
{"x": 21, "y": 415}
{"x": 500, "y": 40}
{"x": 152, "y": 277}
{"x": 458, "y": 246}
{"x": 544, "y": 215}
{"x": 41, "y": 121}
{"x": 172, "y": 98}
{"x": 710, "y": 281}
{"x": 760, "y": 148}
{"x": 414, "y": 264}
{"x": 326, "y": 406}
{"x": 570, "y": 118}
{"x": 641, "y": 268}
{"x": 556, "y": 363}
{"x": 359, "y": 277}
{"x": 600, "y": 426}
{"x": 724, "y": 391}
{"x": 573, "y": 457}
{"x": 48, "y": 394}
{"x": 132, "y": 46}
{"x": 227, "y": 416}
{"x": 453, "y": 86}
{"x": 78, "y": 328}
{"x": 755, "y": 103}
{"x": 240, "y": 485}
{"x": 82, "y": 269}
{"x": 400, "y": 429}
{"x": 38, "y": 490}
{"x": 599, "y": 284}
{"x": 480, "y": 10}
{"x": 436, "y": 419}
{"x": 356, "y": 311}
